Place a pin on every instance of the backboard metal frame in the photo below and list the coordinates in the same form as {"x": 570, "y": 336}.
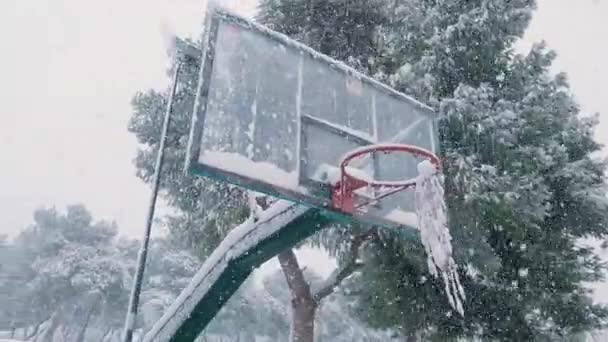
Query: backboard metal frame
{"x": 303, "y": 195}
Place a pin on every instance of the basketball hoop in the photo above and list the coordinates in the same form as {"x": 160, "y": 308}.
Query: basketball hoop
{"x": 344, "y": 197}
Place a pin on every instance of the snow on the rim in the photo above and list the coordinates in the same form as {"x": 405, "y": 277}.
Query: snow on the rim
{"x": 370, "y": 149}
{"x": 238, "y": 241}
{"x": 240, "y": 164}
{"x": 434, "y": 232}
{"x": 333, "y": 175}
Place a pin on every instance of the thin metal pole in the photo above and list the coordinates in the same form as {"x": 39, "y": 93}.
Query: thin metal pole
{"x": 143, "y": 251}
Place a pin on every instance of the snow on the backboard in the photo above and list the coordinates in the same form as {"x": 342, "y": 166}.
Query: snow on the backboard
{"x": 284, "y": 39}
{"x": 238, "y": 241}
{"x": 240, "y": 164}
{"x": 333, "y": 175}
{"x": 407, "y": 218}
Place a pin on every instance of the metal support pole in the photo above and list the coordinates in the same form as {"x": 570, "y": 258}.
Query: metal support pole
{"x": 143, "y": 251}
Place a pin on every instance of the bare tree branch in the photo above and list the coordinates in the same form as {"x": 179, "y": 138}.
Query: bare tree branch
{"x": 334, "y": 279}
{"x": 35, "y": 331}
{"x": 348, "y": 268}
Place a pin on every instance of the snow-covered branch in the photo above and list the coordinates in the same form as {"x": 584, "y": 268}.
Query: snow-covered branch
{"x": 351, "y": 264}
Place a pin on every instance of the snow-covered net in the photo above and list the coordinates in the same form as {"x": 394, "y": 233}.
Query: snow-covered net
{"x": 434, "y": 233}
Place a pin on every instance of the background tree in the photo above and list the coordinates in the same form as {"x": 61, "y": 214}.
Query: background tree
{"x": 13, "y": 310}
{"x": 67, "y": 277}
{"x": 522, "y": 185}
{"x": 205, "y": 209}
{"x": 66, "y": 271}
{"x": 168, "y": 272}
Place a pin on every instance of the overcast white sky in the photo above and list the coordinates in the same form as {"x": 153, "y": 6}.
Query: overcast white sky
{"x": 68, "y": 69}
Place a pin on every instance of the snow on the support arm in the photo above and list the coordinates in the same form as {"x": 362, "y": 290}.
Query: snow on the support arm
{"x": 238, "y": 241}
{"x": 434, "y": 233}
{"x": 239, "y": 164}
{"x": 407, "y": 218}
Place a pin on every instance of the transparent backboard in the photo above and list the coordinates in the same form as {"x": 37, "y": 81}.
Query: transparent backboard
{"x": 274, "y": 116}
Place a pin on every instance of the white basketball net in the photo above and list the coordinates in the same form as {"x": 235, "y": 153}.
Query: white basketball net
{"x": 434, "y": 232}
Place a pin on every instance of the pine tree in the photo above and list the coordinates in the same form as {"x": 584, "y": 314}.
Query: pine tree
{"x": 68, "y": 273}
{"x": 522, "y": 185}
{"x": 438, "y": 45}
{"x": 206, "y": 209}
{"x": 349, "y": 31}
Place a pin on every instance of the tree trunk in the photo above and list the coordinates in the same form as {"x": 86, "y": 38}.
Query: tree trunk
{"x": 103, "y": 337}
{"x": 83, "y": 329}
{"x": 303, "y": 305}
{"x": 27, "y": 335}
{"x": 413, "y": 337}
{"x": 65, "y": 332}
{"x": 110, "y": 337}
{"x": 304, "y": 301}
{"x": 49, "y": 333}
{"x": 303, "y": 321}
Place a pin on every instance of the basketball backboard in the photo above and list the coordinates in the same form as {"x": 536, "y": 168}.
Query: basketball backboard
{"x": 274, "y": 116}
